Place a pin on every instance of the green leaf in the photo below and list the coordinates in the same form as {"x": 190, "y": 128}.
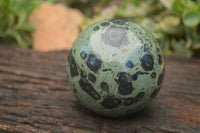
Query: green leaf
{"x": 178, "y": 6}
{"x": 14, "y": 20}
{"x": 19, "y": 39}
{"x": 198, "y": 7}
{"x": 18, "y": 6}
{"x": 135, "y": 2}
{"x": 180, "y": 49}
{"x": 171, "y": 25}
{"x": 149, "y": 24}
{"x": 195, "y": 45}
{"x": 26, "y": 27}
{"x": 167, "y": 3}
{"x": 165, "y": 46}
{"x": 191, "y": 19}
{"x": 21, "y": 19}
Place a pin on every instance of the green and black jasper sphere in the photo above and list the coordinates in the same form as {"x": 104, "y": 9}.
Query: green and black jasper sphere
{"x": 115, "y": 67}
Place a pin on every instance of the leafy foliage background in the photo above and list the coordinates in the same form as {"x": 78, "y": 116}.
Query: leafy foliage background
{"x": 13, "y": 21}
{"x": 174, "y": 23}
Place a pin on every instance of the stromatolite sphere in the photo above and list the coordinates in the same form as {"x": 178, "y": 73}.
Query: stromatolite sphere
{"x": 115, "y": 67}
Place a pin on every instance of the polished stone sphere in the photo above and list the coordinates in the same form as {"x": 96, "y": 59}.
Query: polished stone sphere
{"x": 115, "y": 67}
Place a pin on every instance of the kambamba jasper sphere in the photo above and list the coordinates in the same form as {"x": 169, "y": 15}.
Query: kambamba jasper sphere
{"x": 115, "y": 67}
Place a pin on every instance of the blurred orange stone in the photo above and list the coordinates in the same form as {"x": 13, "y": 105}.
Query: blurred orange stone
{"x": 56, "y": 27}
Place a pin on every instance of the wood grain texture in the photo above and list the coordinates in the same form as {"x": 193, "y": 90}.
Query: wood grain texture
{"x": 35, "y": 97}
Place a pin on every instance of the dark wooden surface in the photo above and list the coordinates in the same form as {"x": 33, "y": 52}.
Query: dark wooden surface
{"x": 35, "y": 97}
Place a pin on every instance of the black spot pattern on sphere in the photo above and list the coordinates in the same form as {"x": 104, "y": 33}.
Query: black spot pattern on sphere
{"x": 75, "y": 90}
{"x": 115, "y": 36}
{"x": 129, "y": 64}
{"x": 111, "y": 102}
{"x": 123, "y": 77}
{"x": 83, "y": 55}
{"x": 83, "y": 74}
{"x": 74, "y": 51}
{"x": 119, "y": 21}
{"x": 158, "y": 50}
{"x": 105, "y": 70}
{"x": 160, "y": 78}
{"x": 147, "y": 62}
{"x": 73, "y": 66}
{"x": 96, "y": 28}
{"x": 129, "y": 101}
{"x": 153, "y": 75}
{"x": 125, "y": 88}
{"x": 105, "y": 24}
{"x": 94, "y": 63}
{"x": 139, "y": 96}
{"x": 160, "y": 59}
{"x": 124, "y": 83}
{"x": 155, "y": 92}
{"x": 91, "y": 77}
{"x": 104, "y": 86}
{"x": 146, "y": 47}
{"x": 135, "y": 76}
{"x": 88, "y": 88}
